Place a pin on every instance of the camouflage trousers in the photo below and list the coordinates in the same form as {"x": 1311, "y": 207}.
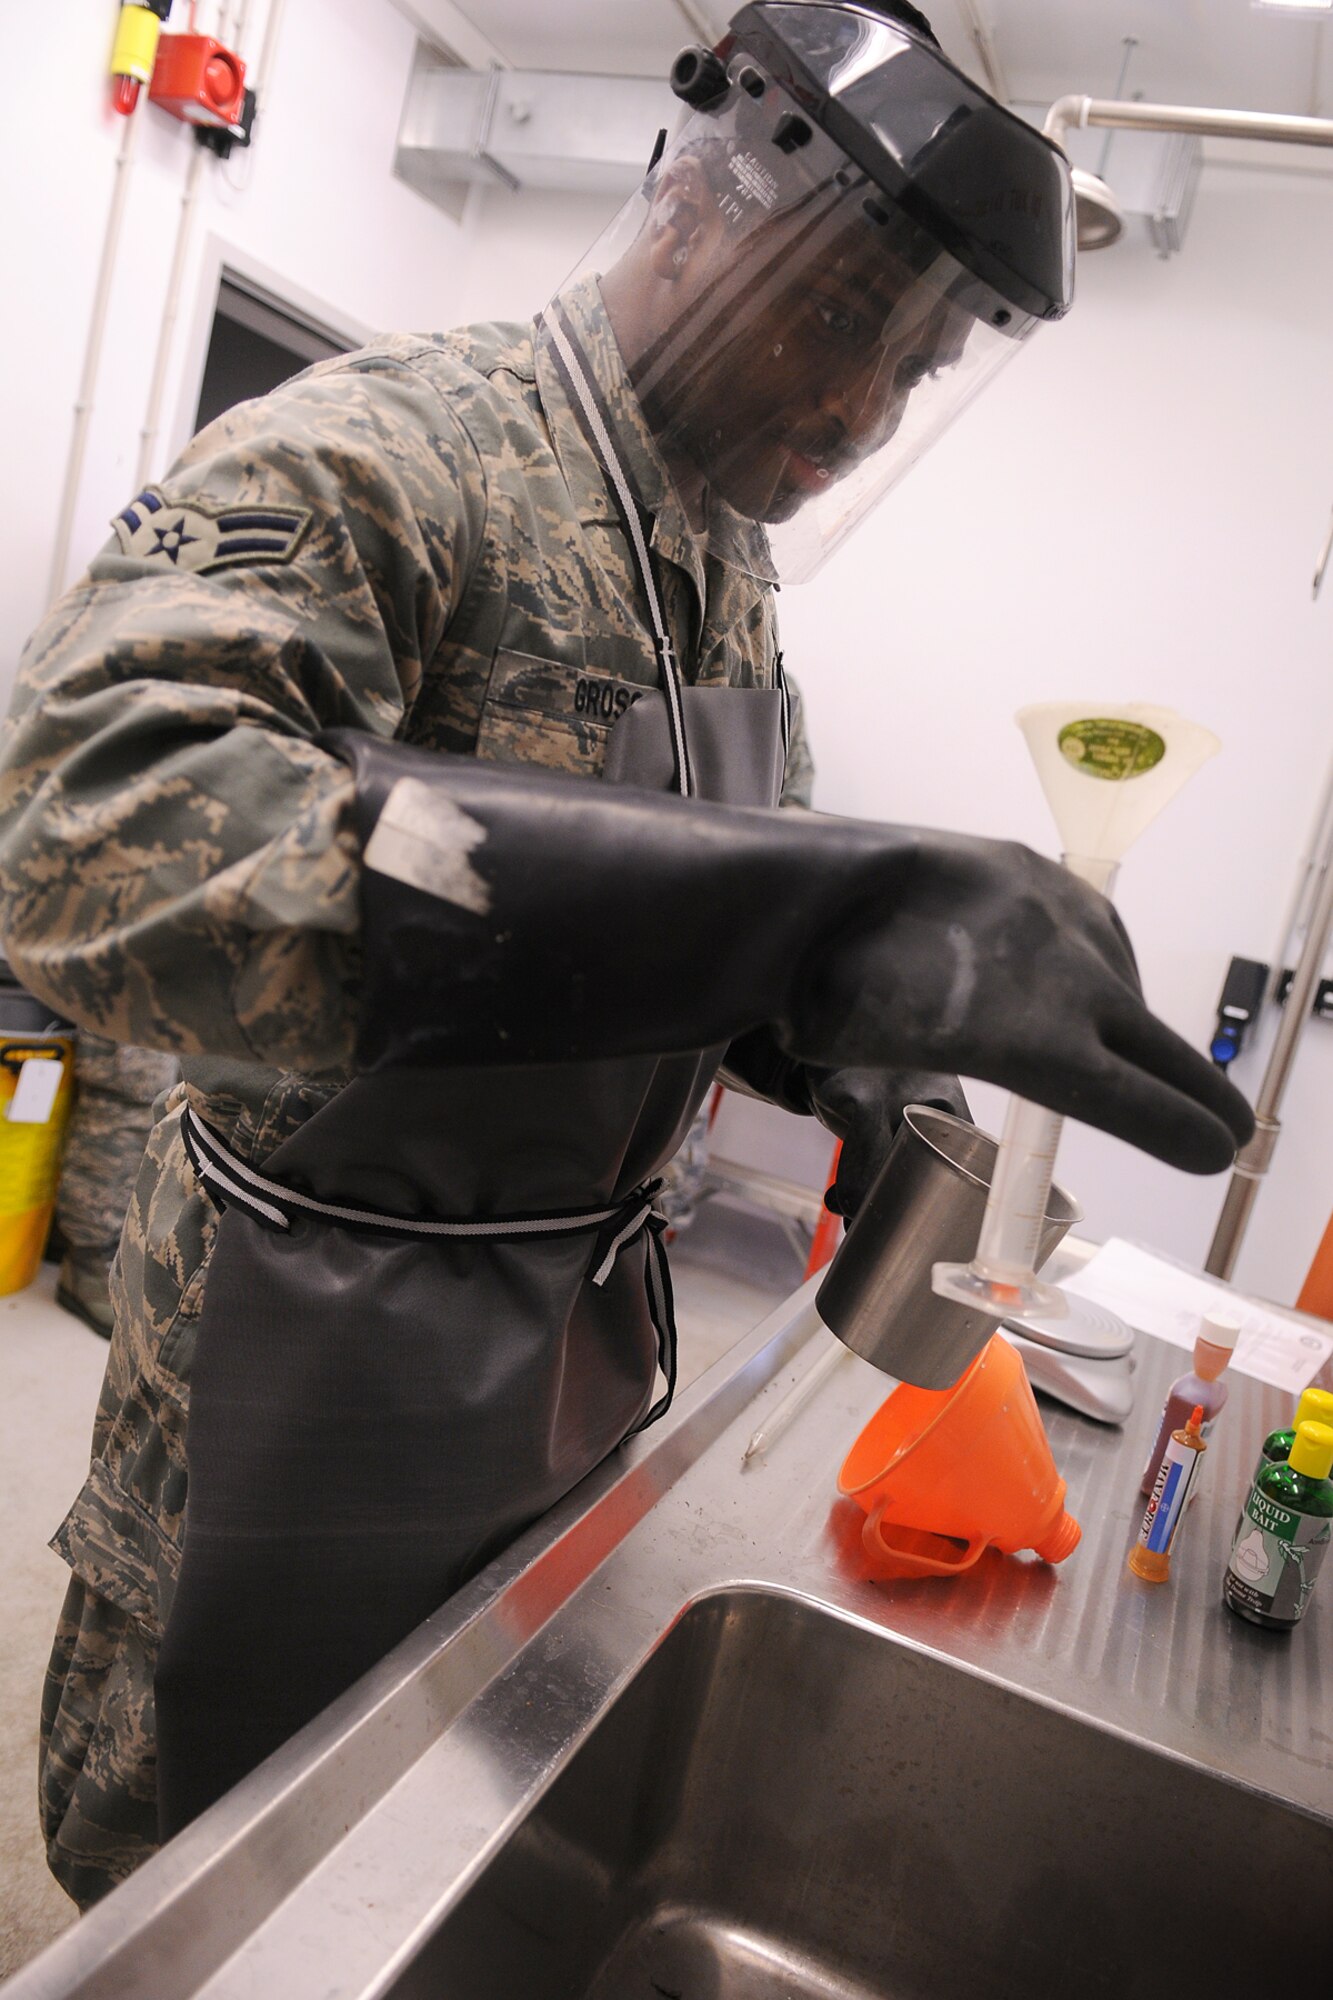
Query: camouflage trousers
{"x": 113, "y": 1115}
{"x": 98, "y": 1795}
{"x": 121, "y": 1540}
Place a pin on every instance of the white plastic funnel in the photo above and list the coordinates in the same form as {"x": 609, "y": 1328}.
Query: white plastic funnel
{"x": 1108, "y": 771}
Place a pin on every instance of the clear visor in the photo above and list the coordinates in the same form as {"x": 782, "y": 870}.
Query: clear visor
{"x": 795, "y": 341}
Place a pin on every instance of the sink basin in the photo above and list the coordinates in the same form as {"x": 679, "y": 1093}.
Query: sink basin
{"x": 809, "y": 1783}
{"x": 781, "y": 1806}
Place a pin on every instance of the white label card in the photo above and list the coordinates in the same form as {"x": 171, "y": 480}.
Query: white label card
{"x": 1161, "y": 1298}
{"x": 36, "y": 1091}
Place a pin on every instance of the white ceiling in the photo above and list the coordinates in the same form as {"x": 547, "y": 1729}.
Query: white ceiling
{"x": 1217, "y": 52}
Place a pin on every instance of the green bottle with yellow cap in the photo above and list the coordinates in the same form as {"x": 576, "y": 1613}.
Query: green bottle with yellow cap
{"x": 1284, "y": 1534}
{"x": 1315, "y": 1407}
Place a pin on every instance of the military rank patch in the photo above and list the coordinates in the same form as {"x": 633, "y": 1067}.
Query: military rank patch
{"x": 196, "y": 537}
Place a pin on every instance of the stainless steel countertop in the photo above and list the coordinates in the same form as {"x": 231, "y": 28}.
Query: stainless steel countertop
{"x": 321, "y": 1874}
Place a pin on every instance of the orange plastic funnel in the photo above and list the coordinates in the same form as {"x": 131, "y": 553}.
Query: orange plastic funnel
{"x": 970, "y": 1464}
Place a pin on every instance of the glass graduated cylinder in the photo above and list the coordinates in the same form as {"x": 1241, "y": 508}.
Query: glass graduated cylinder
{"x": 1002, "y": 1274}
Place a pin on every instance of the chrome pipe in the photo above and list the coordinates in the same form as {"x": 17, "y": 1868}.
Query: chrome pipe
{"x": 987, "y": 53}
{"x": 1321, "y": 560}
{"x": 1080, "y": 112}
{"x": 1252, "y": 1162}
{"x": 698, "y": 22}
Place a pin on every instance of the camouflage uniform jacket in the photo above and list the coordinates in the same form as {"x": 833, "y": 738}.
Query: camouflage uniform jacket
{"x": 413, "y": 540}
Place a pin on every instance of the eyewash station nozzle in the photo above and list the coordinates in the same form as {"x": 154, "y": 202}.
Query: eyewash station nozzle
{"x": 1107, "y": 773}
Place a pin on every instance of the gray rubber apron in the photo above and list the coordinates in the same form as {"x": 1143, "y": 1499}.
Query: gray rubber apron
{"x": 440, "y": 1304}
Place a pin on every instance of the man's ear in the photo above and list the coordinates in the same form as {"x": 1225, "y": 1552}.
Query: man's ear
{"x": 682, "y": 220}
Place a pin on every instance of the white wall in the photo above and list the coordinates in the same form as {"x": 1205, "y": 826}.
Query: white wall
{"x": 1132, "y": 510}
{"x": 314, "y": 201}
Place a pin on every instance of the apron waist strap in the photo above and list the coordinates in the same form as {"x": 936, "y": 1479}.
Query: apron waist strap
{"x": 275, "y": 1206}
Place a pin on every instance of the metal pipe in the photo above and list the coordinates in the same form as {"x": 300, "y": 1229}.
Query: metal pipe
{"x": 1297, "y": 920}
{"x": 698, "y": 22}
{"x": 92, "y": 356}
{"x": 987, "y": 53}
{"x": 1201, "y": 123}
{"x": 481, "y": 144}
{"x": 1129, "y": 44}
{"x": 1253, "y": 1161}
{"x": 1321, "y": 560}
{"x": 269, "y": 51}
{"x": 1317, "y": 69}
{"x": 184, "y": 234}
{"x": 171, "y": 306}
{"x": 170, "y": 313}
{"x": 242, "y": 26}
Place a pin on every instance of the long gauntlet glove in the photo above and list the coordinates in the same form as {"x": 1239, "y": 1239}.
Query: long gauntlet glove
{"x": 514, "y": 917}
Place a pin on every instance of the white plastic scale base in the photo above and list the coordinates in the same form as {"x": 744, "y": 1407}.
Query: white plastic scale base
{"x": 1084, "y": 1358}
{"x": 1027, "y": 1298}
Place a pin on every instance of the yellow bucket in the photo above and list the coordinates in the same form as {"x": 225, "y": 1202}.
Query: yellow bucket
{"x": 36, "y": 1095}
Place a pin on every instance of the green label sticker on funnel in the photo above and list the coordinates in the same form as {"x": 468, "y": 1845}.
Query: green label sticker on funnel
{"x": 1105, "y": 748}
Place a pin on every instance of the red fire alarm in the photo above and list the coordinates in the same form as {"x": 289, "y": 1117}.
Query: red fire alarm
{"x": 197, "y": 79}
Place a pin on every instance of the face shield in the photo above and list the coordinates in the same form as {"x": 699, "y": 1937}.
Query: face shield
{"x": 836, "y": 249}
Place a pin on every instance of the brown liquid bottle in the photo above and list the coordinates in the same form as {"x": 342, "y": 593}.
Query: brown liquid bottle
{"x": 1213, "y": 1347}
{"x": 1150, "y": 1557}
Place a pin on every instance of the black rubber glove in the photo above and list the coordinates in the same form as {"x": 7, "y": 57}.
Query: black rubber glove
{"x": 513, "y": 916}
{"x": 865, "y": 1108}
{"x": 862, "y": 1107}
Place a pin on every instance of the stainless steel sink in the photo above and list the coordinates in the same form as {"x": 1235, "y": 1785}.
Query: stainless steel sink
{"x": 782, "y": 1807}
{"x": 681, "y": 1743}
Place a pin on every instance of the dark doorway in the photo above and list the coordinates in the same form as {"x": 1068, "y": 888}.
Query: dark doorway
{"x": 256, "y": 343}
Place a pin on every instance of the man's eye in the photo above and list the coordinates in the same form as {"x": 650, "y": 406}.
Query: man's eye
{"x": 913, "y": 370}
{"x": 836, "y": 319}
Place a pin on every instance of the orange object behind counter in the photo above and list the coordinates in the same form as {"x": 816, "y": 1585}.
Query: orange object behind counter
{"x": 1317, "y": 1291}
{"x": 198, "y": 80}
